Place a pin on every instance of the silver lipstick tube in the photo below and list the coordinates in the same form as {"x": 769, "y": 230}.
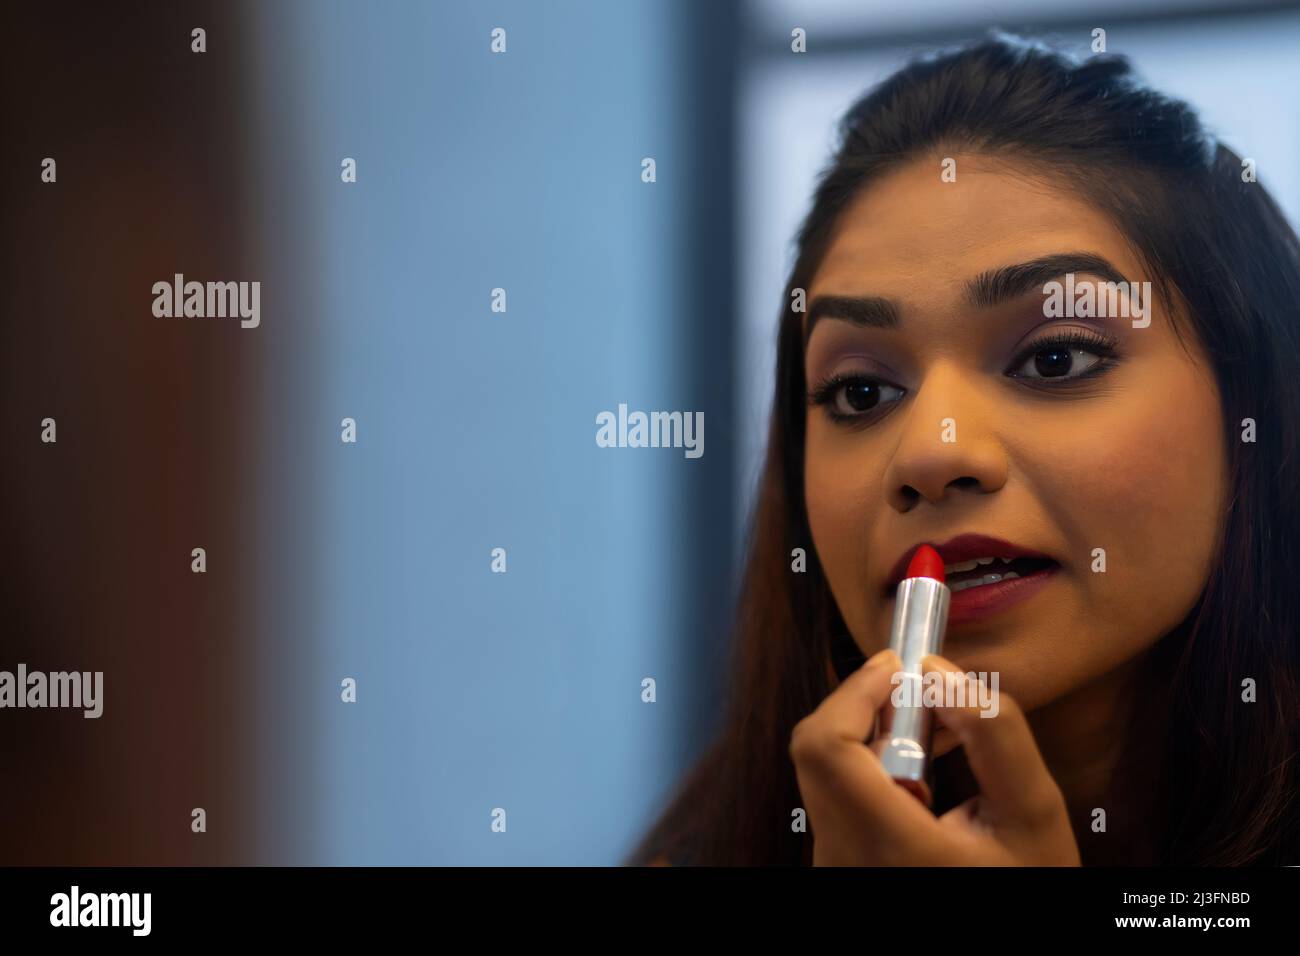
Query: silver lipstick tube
{"x": 903, "y": 735}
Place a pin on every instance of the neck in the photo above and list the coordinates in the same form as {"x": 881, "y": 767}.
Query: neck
{"x": 1101, "y": 744}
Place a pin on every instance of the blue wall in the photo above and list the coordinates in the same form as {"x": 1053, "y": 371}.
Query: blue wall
{"x": 476, "y": 430}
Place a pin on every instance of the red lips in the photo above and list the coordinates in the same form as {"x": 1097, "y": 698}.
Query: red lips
{"x": 964, "y": 547}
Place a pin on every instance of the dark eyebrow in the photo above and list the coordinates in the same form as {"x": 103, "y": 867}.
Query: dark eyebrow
{"x": 871, "y": 312}
{"x": 1009, "y": 282}
{"x": 983, "y": 291}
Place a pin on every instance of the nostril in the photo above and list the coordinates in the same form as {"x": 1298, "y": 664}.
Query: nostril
{"x": 908, "y": 497}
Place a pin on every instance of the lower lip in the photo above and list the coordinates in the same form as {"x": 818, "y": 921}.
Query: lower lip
{"x": 985, "y": 600}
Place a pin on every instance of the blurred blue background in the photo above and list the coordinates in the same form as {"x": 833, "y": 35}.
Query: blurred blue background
{"x": 476, "y": 429}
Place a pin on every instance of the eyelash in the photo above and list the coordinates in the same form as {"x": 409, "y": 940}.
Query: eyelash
{"x": 1103, "y": 346}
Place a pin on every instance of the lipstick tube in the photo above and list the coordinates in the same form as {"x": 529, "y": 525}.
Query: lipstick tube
{"x": 903, "y": 735}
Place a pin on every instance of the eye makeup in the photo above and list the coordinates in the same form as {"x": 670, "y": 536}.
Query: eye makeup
{"x": 856, "y": 394}
{"x": 1066, "y": 341}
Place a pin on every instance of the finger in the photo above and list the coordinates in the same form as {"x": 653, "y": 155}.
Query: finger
{"x": 1000, "y": 748}
{"x": 828, "y": 749}
{"x": 850, "y": 710}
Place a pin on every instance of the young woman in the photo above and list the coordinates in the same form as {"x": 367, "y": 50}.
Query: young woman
{"x": 931, "y": 385}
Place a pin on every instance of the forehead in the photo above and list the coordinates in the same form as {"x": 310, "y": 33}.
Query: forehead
{"x": 912, "y": 237}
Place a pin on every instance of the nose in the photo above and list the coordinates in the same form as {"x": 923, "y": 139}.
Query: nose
{"x": 949, "y": 440}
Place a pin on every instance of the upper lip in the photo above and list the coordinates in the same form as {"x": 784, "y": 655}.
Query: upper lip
{"x": 964, "y": 547}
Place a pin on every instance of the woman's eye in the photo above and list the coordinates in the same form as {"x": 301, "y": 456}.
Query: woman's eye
{"x": 1069, "y": 358}
{"x": 860, "y": 396}
{"x": 855, "y": 398}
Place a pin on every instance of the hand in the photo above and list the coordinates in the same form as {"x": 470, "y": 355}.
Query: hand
{"x": 861, "y": 817}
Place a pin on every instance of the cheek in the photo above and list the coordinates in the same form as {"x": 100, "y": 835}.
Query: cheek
{"x": 1144, "y": 481}
{"x": 839, "y": 493}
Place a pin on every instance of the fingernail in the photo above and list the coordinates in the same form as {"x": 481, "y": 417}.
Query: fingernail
{"x": 879, "y": 657}
{"x": 940, "y": 662}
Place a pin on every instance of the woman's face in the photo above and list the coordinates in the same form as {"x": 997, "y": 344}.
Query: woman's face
{"x": 961, "y": 422}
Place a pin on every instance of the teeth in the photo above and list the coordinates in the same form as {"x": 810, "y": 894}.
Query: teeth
{"x": 987, "y": 579}
{"x": 970, "y": 565}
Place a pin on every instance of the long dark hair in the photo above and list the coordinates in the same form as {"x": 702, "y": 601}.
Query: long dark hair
{"x": 1215, "y": 245}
